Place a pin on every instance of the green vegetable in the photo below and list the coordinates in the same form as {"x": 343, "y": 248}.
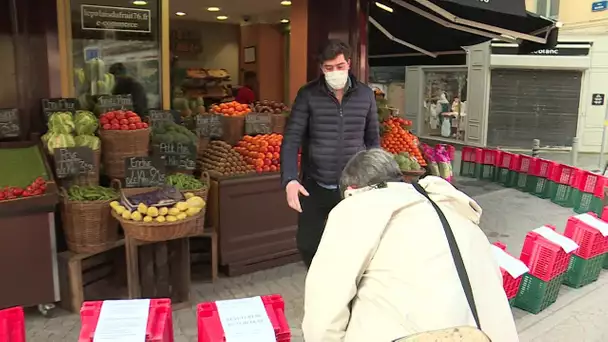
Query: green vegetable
{"x": 184, "y": 182}
{"x": 91, "y": 193}
{"x": 90, "y": 141}
{"x": 60, "y": 141}
{"x": 85, "y": 123}
{"x": 61, "y": 122}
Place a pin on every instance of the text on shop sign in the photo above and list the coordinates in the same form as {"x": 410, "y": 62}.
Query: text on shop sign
{"x": 121, "y": 19}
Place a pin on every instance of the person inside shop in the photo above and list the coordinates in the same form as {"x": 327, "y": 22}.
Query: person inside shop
{"x": 246, "y": 94}
{"x": 332, "y": 118}
{"x": 384, "y": 269}
{"x": 127, "y": 85}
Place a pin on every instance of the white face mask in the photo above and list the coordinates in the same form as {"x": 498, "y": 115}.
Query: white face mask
{"x": 336, "y": 79}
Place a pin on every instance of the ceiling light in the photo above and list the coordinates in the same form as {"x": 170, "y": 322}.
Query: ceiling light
{"x": 140, "y": 2}
{"x": 221, "y": 17}
{"x": 286, "y": 3}
{"x": 180, "y": 14}
{"x": 284, "y": 21}
{"x": 213, "y": 9}
{"x": 384, "y": 7}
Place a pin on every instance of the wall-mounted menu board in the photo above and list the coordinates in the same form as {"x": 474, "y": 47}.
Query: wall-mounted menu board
{"x": 59, "y": 104}
{"x": 9, "y": 123}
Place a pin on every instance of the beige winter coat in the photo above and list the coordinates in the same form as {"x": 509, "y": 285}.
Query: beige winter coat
{"x": 384, "y": 270}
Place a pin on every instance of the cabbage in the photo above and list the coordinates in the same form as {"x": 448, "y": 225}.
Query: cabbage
{"x": 61, "y": 122}
{"x": 46, "y": 137}
{"x": 90, "y": 141}
{"x": 60, "y": 141}
{"x": 85, "y": 123}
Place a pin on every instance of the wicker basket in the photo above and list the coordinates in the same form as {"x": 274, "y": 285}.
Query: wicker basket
{"x": 88, "y": 225}
{"x": 233, "y": 129}
{"x": 278, "y": 122}
{"x": 204, "y": 194}
{"x": 154, "y": 231}
{"x": 120, "y": 145}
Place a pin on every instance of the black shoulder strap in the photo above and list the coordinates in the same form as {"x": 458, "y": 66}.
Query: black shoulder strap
{"x": 462, "y": 272}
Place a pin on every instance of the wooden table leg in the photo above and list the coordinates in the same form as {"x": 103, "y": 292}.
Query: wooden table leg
{"x": 179, "y": 260}
{"x": 132, "y": 268}
{"x": 214, "y": 254}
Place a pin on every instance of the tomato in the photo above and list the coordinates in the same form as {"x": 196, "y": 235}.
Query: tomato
{"x": 124, "y": 127}
{"x": 134, "y": 119}
{"x": 124, "y": 122}
{"x": 121, "y": 115}
{"x": 107, "y": 126}
{"x": 110, "y": 115}
{"x": 139, "y": 125}
{"x": 131, "y": 114}
{"x": 104, "y": 120}
{"x": 145, "y": 125}
{"x": 114, "y": 122}
{"x": 132, "y": 126}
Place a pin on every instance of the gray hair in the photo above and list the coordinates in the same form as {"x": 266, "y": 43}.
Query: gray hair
{"x": 369, "y": 167}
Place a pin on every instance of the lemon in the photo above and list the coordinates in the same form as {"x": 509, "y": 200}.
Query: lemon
{"x": 181, "y": 216}
{"x": 120, "y": 209}
{"x": 136, "y": 216}
{"x": 114, "y": 204}
{"x": 152, "y": 211}
{"x": 196, "y": 202}
{"x": 126, "y": 215}
{"x": 163, "y": 211}
{"x": 171, "y": 218}
{"x": 142, "y": 208}
{"x": 182, "y": 206}
{"x": 174, "y": 211}
{"x": 148, "y": 219}
{"x": 160, "y": 219}
{"x": 188, "y": 195}
{"x": 193, "y": 211}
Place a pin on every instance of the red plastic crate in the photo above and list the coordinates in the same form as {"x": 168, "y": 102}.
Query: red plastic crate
{"x": 160, "y": 321}
{"x": 515, "y": 163}
{"x": 583, "y": 230}
{"x": 545, "y": 259}
{"x": 12, "y": 325}
{"x": 504, "y": 159}
{"x": 471, "y": 154}
{"x": 526, "y": 163}
{"x": 542, "y": 168}
{"x": 488, "y": 156}
{"x": 210, "y": 327}
{"x": 561, "y": 173}
{"x": 576, "y": 175}
{"x": 509, "y": 284}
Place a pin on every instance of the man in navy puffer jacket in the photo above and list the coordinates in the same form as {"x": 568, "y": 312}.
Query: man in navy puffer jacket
{"x": 332, "y": 118}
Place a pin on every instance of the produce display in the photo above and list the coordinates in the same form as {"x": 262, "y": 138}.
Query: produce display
{"x": 223, "y": 159}
{"x": 184, "y": 182}
{"x": 159, "y": 212}
{"x": 20, "y": 166}
{"x": 124, "y": 120}
{"x": 230, "y": 109}
{"x": 395, "y": 138}
{"x": 407, "y": 162}
{"x": 188, "y": 107}
{"x": 67, "y": 130}
{"x": 261, "y": 151}
{"x": 171, "y": 132}
{"x": 268, "y": 106}
{"x": 36, "y": 188}
{"x": 91, "y": 193}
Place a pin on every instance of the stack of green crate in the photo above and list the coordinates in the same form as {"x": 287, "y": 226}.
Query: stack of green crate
{"x": 582, "y": 272}
{"x": 468, "y": 162}
{"x": 536, "y": 295}
{"x": 525, "y": 166}
{"x": 589, "y": 194}
{"x": 605, "y": 266}
{"x": 502, "y": 171}
{"x": 514, "y": 167}
{"x": 562, "y": 184}
{"x": 538, "y": 180}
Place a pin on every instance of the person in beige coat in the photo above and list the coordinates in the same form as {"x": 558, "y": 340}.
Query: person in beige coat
{"x": 384, "y": 269}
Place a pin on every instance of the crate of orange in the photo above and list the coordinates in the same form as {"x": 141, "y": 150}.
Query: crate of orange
{"x": 262, "y": 151}
{"x": 396, "y": 139}
{"x": 233, "y": 120}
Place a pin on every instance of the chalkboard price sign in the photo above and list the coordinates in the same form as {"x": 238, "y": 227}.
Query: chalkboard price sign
{"x": 258, "y": 123}
{"x": 60, "y": 104}
{"x": 9, "y": 123}
{"x": 158, "y": 117}
{"x": 177, "y": 156}
{"x": 209, "y": 126}
{"x": 115, "y": 102}
{"x": 143, "y": 172}
{"x": 73, "y": 161}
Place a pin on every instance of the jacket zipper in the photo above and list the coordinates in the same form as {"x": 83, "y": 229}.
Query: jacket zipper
{"x": 340, "y": 127}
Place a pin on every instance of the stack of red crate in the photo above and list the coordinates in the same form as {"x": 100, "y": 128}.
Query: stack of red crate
{"x": 12, "y": 325}
{"x": 526, "y": 166}
{"x": 210, "y": 327}
{"x": 590, "y": 233}
{"x": 538, "y": 177}
{"x": 510, "y": 282}
{"x": 159, "y": 328}
{"x": 547, "y": 255}
{"x": 561, "y": 182}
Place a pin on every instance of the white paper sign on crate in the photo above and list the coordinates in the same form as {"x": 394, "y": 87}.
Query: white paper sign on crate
{"x": 594, "y": 222}
{"x": 245, "y": 320}
{"x": 565, "y": 243}
{"x": 515, "y": 267}
{"x": 122, "y": 321}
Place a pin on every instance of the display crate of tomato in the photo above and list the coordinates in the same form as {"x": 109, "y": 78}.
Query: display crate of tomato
{"x": 396, "y": 139}
{"x": 121, "y": 120}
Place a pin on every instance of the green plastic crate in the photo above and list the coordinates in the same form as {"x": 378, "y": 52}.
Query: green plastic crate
{"x": 513, "y": 178}
{"x": 504, "y": 176}
{"x": 486, "y": 172}
{"x": 536, "y": 295}
{"x": 468, "y": 169}
{"x": 522, "y": 181}
{"x": 584, "y": 202}
{"x": 560, "y": 194}
{"x": 538, "y": 186}
{"x": 606, "y": 261}
{"x": 582, "y": 272}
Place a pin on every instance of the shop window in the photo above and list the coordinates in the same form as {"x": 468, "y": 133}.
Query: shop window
{"x": 548, "y": 8}
{"x": 444, "y": 109}
{"x": 116, "y": 37}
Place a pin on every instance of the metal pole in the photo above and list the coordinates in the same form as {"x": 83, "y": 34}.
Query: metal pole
{"x": 535, "y": 147}
{"x": 574, "y": 152}
{"x": 603, "y": 146}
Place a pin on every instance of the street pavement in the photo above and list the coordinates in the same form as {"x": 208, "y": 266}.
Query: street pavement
{"x": 578, "y": 315}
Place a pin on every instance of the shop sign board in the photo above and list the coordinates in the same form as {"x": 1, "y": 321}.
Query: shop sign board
{"x": 258, "y": 123}
{"x": 59, "y": 104}
{"x": 599, "y": 6}
{"x": 562, "y": 49}
{"x": 209, "y": 126}
{"x": 115, "y": 102}
{"x": 73, "y": 161}
{"x": 144, "y": 172}
{"x": 176, "y": 155}
{"x": 598, "y": 99}
{"x": 117, "y": 19}
{"x": 158, "y": 117}
{"x": 9, "y": 123}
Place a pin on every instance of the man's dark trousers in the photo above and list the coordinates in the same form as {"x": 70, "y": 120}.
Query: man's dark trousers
{"x": 311, "y": 222}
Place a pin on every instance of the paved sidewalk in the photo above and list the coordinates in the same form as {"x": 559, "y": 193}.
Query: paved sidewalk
{"x": 578, "y": 315}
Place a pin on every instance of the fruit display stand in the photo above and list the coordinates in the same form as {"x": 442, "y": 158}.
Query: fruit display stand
{"x": 27, "y": 238}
